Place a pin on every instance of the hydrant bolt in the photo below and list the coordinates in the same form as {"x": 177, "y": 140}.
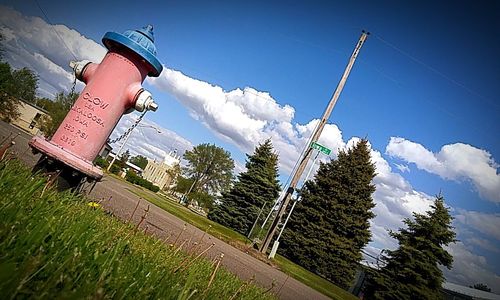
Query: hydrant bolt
{"x": 145, "y": 101}
{"x": 79, "y": 67}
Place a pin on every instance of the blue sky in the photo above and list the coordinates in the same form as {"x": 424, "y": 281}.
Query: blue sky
{"x": 424, "y": 91}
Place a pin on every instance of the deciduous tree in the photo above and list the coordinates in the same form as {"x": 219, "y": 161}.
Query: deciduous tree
{"x": 210, "y": 167}
{"x": 140, "y": 161}
{"x": 57, "y": 109}
{"x": 8, "y": 102}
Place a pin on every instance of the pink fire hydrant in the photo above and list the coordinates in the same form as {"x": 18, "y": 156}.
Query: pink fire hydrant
{"x": 113, "y": 88}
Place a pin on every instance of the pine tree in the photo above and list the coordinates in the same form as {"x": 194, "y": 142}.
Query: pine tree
{"x": 330, "y": 225}
{"x": 411, "y": 271}
{"x": 257, "y": 185}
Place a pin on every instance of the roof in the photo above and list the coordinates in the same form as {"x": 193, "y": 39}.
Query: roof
{"x": 135, "y": 167}
{"x": 33, "y": 105}
{"x": 464, "y": 290}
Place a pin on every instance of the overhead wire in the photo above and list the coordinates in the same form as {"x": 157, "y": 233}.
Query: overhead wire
{"x": 401, "y": 85}
{"x": 53, "y": 28}
{"x": 433, "y": 69}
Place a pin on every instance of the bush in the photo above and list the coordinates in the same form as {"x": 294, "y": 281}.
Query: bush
{"x": 115, "y": 169}
{"x": 133, "y": 178}
{"x": 101, "y": 162}
{"x": 204, "y": 199}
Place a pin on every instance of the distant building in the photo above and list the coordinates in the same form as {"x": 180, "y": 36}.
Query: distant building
{"x": 105, "y": 150}
{"x": 161, "y": 173}
{"x": 30, "y": 117}
{"x": 449, "y": 291}
{"x": 454, "y": 291}
{"x": 128, "y": 165}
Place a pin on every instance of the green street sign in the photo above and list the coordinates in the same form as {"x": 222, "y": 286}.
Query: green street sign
{"x": 321, "y": 148}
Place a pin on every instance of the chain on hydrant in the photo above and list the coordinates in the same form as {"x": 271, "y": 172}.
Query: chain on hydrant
{"x": 113, "y": 88}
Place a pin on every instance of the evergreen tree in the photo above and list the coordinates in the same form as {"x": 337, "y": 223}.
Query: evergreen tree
{"x": 254, "y": 187}
{"x": 330, "y": 225}
{"x": 411, "y": 271}
{"x": 481, "y": 287}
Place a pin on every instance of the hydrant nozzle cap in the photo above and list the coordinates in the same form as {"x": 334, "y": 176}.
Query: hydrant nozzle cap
{"x": 148, "y": 32}
{"x": 140, "y": 41}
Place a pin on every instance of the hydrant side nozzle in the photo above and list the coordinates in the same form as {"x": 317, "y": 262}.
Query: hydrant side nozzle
{"x": 79, "y": 68}
{"x": 153, "y": 106}
{"x": 145, "y": 101}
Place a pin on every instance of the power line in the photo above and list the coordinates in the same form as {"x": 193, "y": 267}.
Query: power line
{"x": 434, "y": 70}
{"x": 53, "y": 28}
{"x": 403, "y": 86}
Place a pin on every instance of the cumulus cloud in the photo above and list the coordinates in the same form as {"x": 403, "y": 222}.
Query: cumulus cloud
{"x": 395, "y": 200}
{"x": 31, "y": 42}
{"x": 149, "y": 139}
{"x": 242, "y": 117}
{"x": 453, "y": 162}
{"x": 488, "y": 224}
{"x": 245, "y": 116}
{"x": 482, "y": 243}
{"x": 402, "y": 168}
{"x": 469, "y": 268}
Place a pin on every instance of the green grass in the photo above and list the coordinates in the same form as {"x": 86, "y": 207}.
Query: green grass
{"x": 308, "y": 278}
{"x": 183, "y": 213}
{"x": 312, "y": 280}
{"x": 56, "y": 246}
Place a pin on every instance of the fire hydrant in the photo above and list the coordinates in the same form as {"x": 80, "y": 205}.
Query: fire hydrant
{"x": 113, "y": 88}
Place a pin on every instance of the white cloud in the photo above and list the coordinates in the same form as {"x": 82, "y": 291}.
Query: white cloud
{"x": 31, "y": 42}
{"x": 469, "y": 268}
{"x": 245, "y": 117}
{"x": 147, "y": 141}
{"x": 452, "y": 162}
{"x": 488, "y": 224}
{"x": 402, "y": 168}
{"x": 395, "y": 200}
{"x": 482, "y": 243}
{"x": 242, "y": 117}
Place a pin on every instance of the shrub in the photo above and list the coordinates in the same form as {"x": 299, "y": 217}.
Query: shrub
{"x": 115, "y": 169}
{"x": 133, "y": 178}
{"x": 101, "y": 162}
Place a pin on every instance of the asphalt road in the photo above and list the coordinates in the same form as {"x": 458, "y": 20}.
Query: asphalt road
{"x": 117, "y": 199}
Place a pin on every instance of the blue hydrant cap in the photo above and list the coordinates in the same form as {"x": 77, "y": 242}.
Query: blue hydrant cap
{"x": 140, "y": 41}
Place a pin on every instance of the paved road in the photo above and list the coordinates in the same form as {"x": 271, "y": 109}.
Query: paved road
{"x": 121, "y": 202}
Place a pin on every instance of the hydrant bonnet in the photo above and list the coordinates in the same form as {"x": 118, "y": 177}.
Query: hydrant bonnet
{"x": 140, "y": 41}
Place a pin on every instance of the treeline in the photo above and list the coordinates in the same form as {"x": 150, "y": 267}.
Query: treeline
{"x": 330, "y": 226}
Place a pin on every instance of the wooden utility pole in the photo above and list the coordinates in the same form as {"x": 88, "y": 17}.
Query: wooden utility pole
{"x": 308, "y": 152}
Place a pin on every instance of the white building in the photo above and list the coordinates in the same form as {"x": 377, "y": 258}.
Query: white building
{"x": 30, "y": 116}
{"x": 162, "y": 174}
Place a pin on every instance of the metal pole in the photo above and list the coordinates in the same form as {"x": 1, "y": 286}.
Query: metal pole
{"x": 119, "y": 151}
{"x": 271, "y": 211}
{"x": 277, "y": 242}
{"x": 257, "y": 219}
{"x": 305, "y": 159}
{"x": 189, "y": 191}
